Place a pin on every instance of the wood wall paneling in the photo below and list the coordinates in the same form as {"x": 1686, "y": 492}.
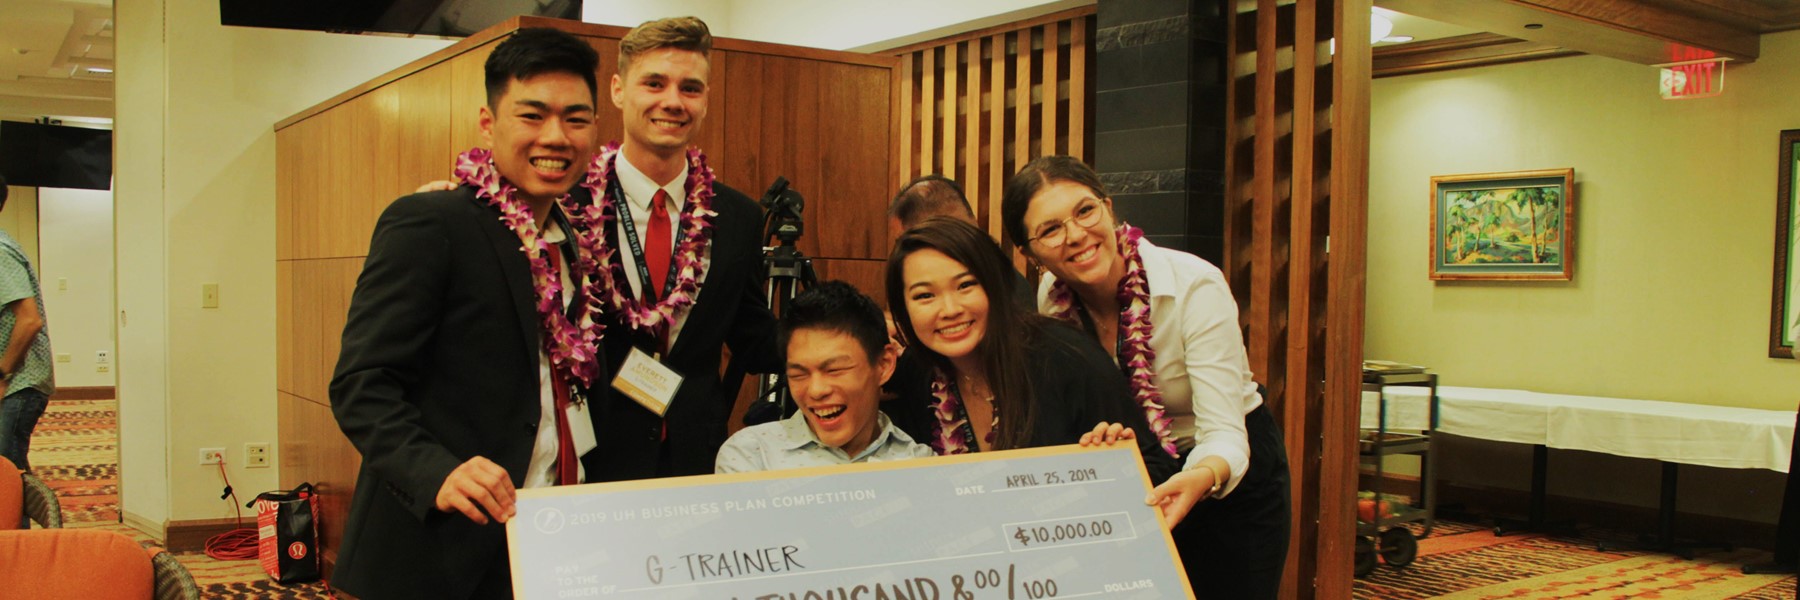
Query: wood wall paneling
{"x": 337, "y": 282}
{"x": 1077, "y": 89}
{"x": 974, "y": 61}
{"x": 853, "y": 193}
{"x": 285, "y": 172}
{"x": 989, "y": 204}
{"x": 928, "y": 103}
{"x": 952, "y": 70}
{"x": 468, "y": 93}
{"x": 309, "y": 333}
{"x": 903, "y": 123}
{"x": 424, "y": 149}
{"x": 313, "y": 450}
{"x": 284, "y": 326}
{"x": 1047, "y": 91}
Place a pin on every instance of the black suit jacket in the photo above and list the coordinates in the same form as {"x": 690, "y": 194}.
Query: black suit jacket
{"x": 439, "y": 364}
{"x": 731, "y": 310}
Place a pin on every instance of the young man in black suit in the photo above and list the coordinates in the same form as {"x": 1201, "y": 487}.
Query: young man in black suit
{"x": 698, "y": 245}
{"x": 471, "y": 342}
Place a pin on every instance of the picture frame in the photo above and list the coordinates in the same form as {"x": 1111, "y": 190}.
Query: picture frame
{"x": 1785, "y": 310}
{"x": 1511, "y": 226}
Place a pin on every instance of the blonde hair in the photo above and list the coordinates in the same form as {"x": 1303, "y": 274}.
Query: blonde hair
{"x": 685, "y": 33}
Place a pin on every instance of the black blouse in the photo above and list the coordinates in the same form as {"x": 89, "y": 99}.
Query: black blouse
{"x": 1075, "y": 384}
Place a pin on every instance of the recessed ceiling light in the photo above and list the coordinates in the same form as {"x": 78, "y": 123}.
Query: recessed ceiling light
{"x": 1534, "y": 25}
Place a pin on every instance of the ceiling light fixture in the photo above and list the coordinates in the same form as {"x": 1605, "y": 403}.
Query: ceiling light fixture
{"x": 1379, "y": 27}
{"x": 1534, "y": 25}
{"x": 99, "y": 70}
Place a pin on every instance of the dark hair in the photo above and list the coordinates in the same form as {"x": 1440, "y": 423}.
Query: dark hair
{"x": 926, "y": 196}
{"x": 682, "y": 33}
{"x": 1038, "y": 174}
{"x": 1009, "y": 331}
{"x": 836, "y": 306}
{"x": 535, "y": 51}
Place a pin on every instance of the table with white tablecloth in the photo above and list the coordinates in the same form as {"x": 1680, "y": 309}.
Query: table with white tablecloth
{"x": 1670, "y": 432}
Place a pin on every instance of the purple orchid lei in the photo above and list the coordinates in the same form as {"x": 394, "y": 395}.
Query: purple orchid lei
{"x": 953, "y": 431}
{"x": 570, "y": 344}
{"x": 695, "y": 222}
{"x": 1138, "y": 357}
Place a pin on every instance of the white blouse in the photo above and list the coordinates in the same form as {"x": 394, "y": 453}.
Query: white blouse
{"x": 1201, "y": 366}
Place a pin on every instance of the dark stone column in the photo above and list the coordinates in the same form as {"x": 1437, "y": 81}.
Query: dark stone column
{"x": 1159, "y": 118}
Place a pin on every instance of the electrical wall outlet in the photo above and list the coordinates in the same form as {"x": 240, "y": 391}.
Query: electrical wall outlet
{"x": 256, "y": 455}
{"x": 102, "y": 357}
{"x": 212, "y": 456}
{"x": 102, "y": 368}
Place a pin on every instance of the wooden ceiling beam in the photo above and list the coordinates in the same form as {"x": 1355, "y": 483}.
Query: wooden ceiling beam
{"x": 1622, "y": 29}
{"x": 1460, "y": 52}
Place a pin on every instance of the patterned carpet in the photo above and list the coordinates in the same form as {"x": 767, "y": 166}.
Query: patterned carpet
{"x": 1468, "y": 562}
{"x": 75, "y": 450}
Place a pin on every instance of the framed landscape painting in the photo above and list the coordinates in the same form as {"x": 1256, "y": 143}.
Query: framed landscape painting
{"x": 1786, "y": 313}
{"x": 1503, "y": 226}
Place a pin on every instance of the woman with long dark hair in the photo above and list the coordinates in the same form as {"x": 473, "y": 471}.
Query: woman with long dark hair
{"x": 1170, "y": 322}
{"x": 1001, "y": 377}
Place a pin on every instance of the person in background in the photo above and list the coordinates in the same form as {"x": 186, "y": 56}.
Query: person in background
{"x": 1000, "y": 377}
{"x": 838, "y": 356}
{"x": 471, "y": 347}
{"x": 938, "y": 196}
{"x": 25, "y": 364}
{"x": 1170, "y": 322}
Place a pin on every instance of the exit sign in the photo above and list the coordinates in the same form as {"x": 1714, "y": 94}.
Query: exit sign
{"x": 1693, "y": 79}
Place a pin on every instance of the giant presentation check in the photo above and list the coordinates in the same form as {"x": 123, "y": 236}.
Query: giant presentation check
{"x": 1064, "y": 522}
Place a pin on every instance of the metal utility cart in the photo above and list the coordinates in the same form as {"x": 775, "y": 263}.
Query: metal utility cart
{"x": 1383, "y": 536}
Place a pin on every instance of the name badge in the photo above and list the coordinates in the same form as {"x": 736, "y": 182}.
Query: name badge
{"x": 581, "y": 428}
{"x": 647, "y": 381}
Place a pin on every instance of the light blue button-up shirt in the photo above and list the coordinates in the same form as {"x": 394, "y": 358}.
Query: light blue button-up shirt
{"x": 790, "y": 444}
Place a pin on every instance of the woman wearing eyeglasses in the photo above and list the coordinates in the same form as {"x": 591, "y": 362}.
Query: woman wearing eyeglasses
{"x": 1000, "y": 376}
{"x": 1170, "y": 322}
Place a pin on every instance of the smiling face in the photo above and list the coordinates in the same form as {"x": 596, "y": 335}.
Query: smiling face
{"x": 837, "y": 386}
{"x": 541, "y": 131}
{"x": 663, "y": 97}
{"x": 1088, "y": 254}
{"x": 948, "y": 307}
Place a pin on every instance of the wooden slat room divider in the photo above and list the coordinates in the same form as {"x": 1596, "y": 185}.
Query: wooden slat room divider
{"x": 977, "y": 106}
{"x": 1296, "y": 212}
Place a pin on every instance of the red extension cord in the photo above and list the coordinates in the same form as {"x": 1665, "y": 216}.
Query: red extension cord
{"x": 239, "y": 543}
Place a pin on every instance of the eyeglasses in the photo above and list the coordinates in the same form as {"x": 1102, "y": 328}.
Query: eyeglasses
{"x": 1052, "y": 234}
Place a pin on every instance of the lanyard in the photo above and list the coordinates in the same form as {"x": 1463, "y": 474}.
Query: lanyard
{"x": 637, "y": 248}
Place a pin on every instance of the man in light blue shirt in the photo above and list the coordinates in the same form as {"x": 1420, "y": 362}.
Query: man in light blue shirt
{"x": 838, "y": 356}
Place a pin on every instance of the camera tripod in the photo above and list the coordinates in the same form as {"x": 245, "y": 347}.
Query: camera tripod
{"x": 786, "y": 272}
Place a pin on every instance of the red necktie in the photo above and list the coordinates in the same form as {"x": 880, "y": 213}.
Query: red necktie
{"x": 568, "y": 472}
{"x": 656, "y": 244}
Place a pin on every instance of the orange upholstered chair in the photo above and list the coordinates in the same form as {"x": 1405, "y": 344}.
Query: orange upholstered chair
{"x": 22, "y": 492}
{"x": 88, "y": 564}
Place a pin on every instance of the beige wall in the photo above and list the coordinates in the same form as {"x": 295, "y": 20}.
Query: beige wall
{"x": 1675, "y": 221}
{"x": 197, "y": 103}
{"x": 76, "y": 274}
{"x": 1674, "y": 244}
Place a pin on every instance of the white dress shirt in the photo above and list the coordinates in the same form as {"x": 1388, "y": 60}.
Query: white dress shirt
{"x": 639, "y": 189}
{"x": 541, "y": 471}
{"x": 1201, "y": 367}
